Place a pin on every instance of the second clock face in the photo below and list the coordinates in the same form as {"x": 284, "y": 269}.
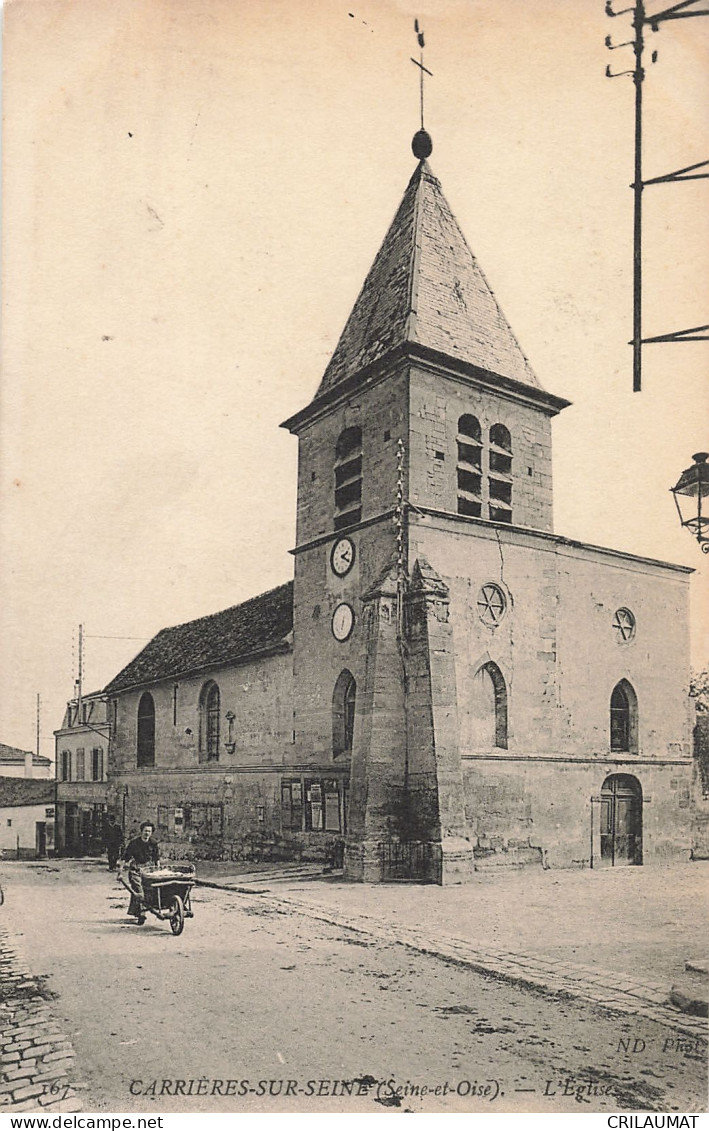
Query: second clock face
{"x": 342, "y": 556}
{"x": 342, "y": 622}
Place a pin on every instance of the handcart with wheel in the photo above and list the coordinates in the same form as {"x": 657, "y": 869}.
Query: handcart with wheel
{"x": 164, "y": 891}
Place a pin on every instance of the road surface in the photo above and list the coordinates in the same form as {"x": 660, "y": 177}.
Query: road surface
{"x": 251, "y": 1009}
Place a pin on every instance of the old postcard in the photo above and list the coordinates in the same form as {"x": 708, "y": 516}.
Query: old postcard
{"x": 355, "y": 710}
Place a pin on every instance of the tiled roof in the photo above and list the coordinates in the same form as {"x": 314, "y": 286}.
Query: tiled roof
{"x": 257, "y": 625}
{"x": 14, "y": 756}
{"x": 25, "y": 791}
{"x": 426, "y": 287}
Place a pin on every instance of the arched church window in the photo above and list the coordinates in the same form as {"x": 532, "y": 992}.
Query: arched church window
{"x": 348, "y": 478}
{"x": 500, "y": 468}
{"x": 146, "y": 730}
{"x": 469, "y": 466}
{"x": 343, "y": 714}
{"x": 624, "y": 718}
{"x": 210, "y": 705}
{"x": 489, "y": 708}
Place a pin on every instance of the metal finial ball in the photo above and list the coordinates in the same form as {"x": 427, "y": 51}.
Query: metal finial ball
{"x": 422, "y": 145}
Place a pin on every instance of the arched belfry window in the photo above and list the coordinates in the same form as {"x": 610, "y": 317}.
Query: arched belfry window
{"x": 490, "y": 707}
{"x": 469, "y": 467}
{"x": 343, "y": 714}
{"x": 146, "y": 730}
{"x": 348, "y": 478}
{"x": 210, "y": 706}
{"x": 624, "y": 718}
{"x": 500, "y": 478}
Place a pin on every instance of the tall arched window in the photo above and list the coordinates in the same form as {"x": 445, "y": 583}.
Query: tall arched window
{"x": 209, "y": 722}
{"x": 624, "y": 718}
{"x": 343, "y": 714}
{"x": 348, "y": 478}
{"x": 146, "y": 730}
{"x": 489, "y": 707}
{"x": 500, "y": 479}
{"x": 469, "y": 466}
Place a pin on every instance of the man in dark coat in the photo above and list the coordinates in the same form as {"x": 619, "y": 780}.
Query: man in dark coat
{"x": 139, "y": 851}
{"x": 113, "y": 839}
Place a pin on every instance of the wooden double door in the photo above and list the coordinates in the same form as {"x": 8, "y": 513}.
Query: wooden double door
{"x": 621, "y": 821}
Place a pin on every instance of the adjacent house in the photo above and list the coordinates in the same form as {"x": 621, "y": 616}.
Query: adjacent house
{"x": 16, "y": 763}
{"x": 81, "y": 745}
{"x": 26, "y": 818}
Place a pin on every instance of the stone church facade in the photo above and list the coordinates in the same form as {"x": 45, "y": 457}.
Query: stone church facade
{"x": 447, "y": 684}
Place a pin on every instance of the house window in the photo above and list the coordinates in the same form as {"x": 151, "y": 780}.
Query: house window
{"x": 343, "y": 714}
{"x": 146, "y": 730}
{"x": 490, "y": 708}
{"x": 66, "y": 765}
{"x": 80, "y": 774}
{"x": 209, "y": 722}
{"x": 469, "y": 466}
{"x": 97, "y": 764}
{"x": 624, "y": 718}
{"x": 500, "y": 477}
{"x": 348, "y": 478}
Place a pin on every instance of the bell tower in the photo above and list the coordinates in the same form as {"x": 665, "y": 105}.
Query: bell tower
{"x": 426, "y": 357}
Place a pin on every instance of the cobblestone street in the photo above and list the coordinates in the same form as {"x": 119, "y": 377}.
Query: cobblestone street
{"x": 37, "y": 1061}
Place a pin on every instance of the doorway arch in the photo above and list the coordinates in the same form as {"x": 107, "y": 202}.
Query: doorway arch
{"x": 621, "y": 821}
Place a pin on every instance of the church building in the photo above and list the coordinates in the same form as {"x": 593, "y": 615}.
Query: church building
{"x": 446, "y": 684}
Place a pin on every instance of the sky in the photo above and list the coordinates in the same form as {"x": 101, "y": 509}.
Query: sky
{"x": 194, "y": 191}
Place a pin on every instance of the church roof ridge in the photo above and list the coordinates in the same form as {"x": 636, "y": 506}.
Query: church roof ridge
{"x": 426, "y": 287}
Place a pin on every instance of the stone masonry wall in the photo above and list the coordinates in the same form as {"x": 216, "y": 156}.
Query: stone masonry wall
{"x": 514, "y": 806}
{"x": 259, "y": 693}
{"x": 560, "y": 658}
{"x": 377, "y": 410}
{"x": 318, "y": 659}
{"x": 437, "y": 403}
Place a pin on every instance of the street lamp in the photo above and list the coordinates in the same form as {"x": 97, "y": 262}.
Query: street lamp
{"x": 691, "y": 487}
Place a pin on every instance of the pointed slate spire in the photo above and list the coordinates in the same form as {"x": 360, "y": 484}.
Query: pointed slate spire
{"x": 426, "y": 287}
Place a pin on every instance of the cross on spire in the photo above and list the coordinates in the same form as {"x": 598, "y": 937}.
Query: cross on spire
{"x": 422, "y": 144}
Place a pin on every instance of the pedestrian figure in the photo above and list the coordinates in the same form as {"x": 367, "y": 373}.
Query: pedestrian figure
{"x": 113, "y": 839}
{"x": 139, "y": 851}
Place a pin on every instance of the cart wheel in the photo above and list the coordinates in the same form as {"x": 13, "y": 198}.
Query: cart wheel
{"x": 177, "y": 916}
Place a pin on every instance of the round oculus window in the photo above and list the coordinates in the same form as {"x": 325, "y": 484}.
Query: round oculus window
{"x": 624, "y": 625}
{"x": 492, "y": 604}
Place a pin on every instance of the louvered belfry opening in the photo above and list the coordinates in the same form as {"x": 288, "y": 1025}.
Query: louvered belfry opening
{"x": 500, "y": 477}
{"x": 348, "y": 478}
{"x": 469, "y": 466}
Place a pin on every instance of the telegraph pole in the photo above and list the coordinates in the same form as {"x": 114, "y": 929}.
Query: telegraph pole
{"x": 684, "y": 10}
{"x": 80, "y": 676}
{"x": 638, "y": 77}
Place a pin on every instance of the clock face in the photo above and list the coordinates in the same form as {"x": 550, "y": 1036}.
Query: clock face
{"x": 342, "y": 622}
{"x": 342, "y": 556}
